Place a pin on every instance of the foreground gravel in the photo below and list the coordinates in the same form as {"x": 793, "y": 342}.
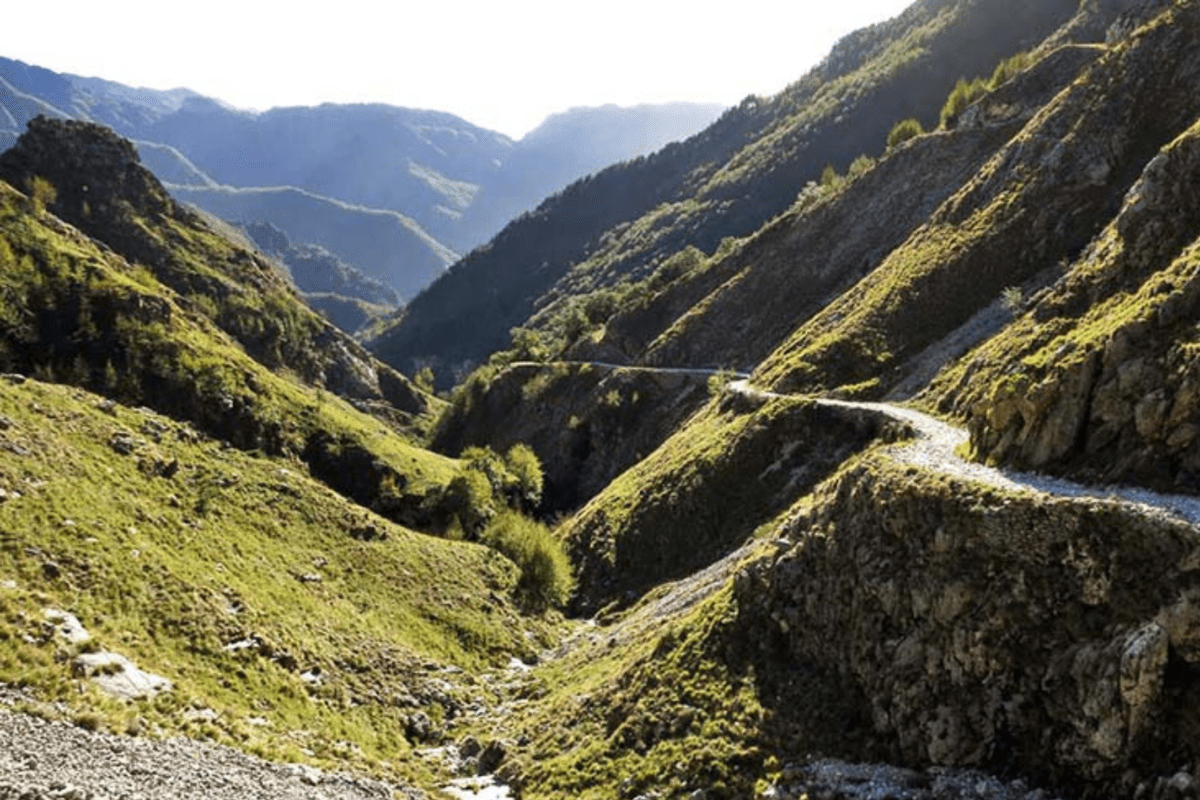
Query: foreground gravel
{"x": 40, "y": 760}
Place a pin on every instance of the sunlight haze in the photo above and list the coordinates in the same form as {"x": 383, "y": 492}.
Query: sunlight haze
{"x": 504, "y": 66}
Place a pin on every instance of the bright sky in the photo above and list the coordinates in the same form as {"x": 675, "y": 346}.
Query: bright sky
{"x": 502, "y": 64}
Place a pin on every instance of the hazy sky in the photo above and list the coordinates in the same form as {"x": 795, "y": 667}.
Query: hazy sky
{"x": 503, "y": 65}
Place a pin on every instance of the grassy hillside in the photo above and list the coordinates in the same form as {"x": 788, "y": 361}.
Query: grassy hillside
{"x": 172, "y": 549}
{"x": 1038, "y": 202}
{"x": 80, "y": 314}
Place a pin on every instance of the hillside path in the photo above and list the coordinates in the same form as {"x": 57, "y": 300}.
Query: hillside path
{"x": 937, "y": 446}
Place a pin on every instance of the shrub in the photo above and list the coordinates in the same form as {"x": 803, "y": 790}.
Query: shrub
{"x": 546, "y": 576}
{"x": 830, "y": 178}
{"x": 861, "y": 165}
{"x": 904, "y": 130}
{"x": 526, "y": 473}
{"x": 1010, "y": 67}
{"x": 963, "y": 95}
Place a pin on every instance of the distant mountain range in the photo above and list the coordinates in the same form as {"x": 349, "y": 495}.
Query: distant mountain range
{"x": 399, "y": 193}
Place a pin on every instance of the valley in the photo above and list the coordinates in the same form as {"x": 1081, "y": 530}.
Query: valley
{"x": 847, "y": 448}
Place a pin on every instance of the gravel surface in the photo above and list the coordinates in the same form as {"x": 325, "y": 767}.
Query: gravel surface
{"x": 41, "y": 759}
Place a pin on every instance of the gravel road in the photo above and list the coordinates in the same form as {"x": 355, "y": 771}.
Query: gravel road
{"x": 935, "y": 448}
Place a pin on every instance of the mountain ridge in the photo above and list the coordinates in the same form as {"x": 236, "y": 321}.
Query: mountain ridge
{"x": 436, "y": 163}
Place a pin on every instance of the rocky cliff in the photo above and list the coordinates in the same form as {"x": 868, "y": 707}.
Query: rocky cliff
{"x": 1056, "y": 638}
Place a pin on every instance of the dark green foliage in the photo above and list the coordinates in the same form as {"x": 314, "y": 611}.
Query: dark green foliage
{"x": 526, "y": 471}
{"x": 487, "y": 483}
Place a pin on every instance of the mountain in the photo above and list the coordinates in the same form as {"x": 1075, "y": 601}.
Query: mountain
{"x": 385, "y": 245}
{"x": 893, "y": 494}
{"x": 573, "y": 144}
{"x": 1023, "y": 269}
{"x": 396, "y": 192}
{"x": 724, "y": 182}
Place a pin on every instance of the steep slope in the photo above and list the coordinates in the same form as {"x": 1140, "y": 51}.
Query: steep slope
{"x": 174, "y": 324}
{"x": 1097, "y": 377}
{"x": 726, "y": 181}
{"x": 739, "y": 309}
{"x": 1040, "y": 200}
{"x": 245, "y": 583}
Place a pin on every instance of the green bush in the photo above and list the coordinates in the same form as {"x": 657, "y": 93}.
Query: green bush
{"x": 546, "y": 576}
{"x": 830, "y": 178}
{"x": 964, "y": 94}
{"x": 1010, "y": 67}
{"x": 525, "y": 471}
{"x": 861, "y": 165}
{"x": 470, "y": 501}
{"x": 904, "y": 130}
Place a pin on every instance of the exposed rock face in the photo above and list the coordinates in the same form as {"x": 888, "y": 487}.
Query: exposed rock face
{"x": 1056, "y": 638}
{"x": 88, "y": 165}
{"x": 1108, "y": 378}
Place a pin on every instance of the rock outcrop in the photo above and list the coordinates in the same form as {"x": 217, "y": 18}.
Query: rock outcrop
{"x": 1101, "y": 377}
{"x": 97, "y": 183}
{"x": 1053, "y": 638}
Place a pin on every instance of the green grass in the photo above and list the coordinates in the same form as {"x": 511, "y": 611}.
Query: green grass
{"x": 664, "y": 712}
{"x": 168, "y": 571}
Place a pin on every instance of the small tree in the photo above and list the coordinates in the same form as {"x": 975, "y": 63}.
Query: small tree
{"x": 904, "y": 130}
{"x": 546, "y": 575}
